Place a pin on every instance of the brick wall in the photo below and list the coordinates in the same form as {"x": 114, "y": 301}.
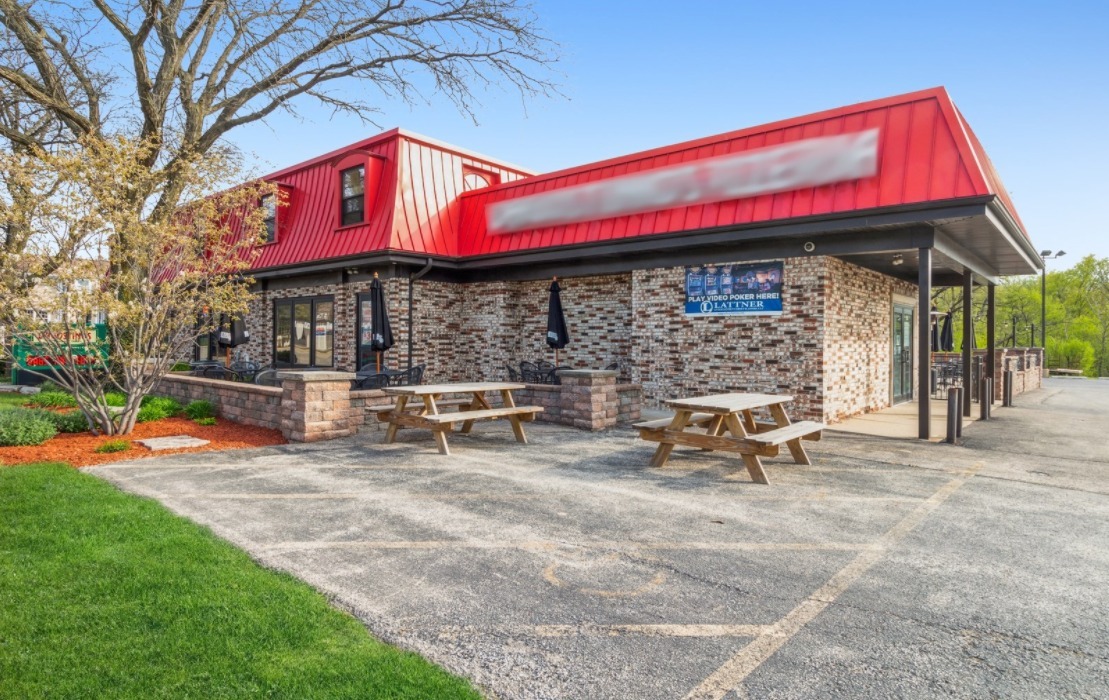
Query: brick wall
{"x": 830, "y": 347}
{"x": 674, "y": 355}
{"x": 1026, "y": 365}
{"x": 858, "y": 338}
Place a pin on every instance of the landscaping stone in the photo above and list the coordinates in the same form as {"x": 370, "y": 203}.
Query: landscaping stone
{"x": 29, "y": 390}
{"x": 173, "y": 442}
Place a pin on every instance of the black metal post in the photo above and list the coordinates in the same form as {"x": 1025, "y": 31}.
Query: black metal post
{"x": 1043, "y": 306}
{"x": 924, "y": 348}
{"x": 959, "y": 419}
{"x": 968, "y": 338}
{"x": 953, "y": 419}
{"x": 991, "y": 340}
{"x": 986, "y": 393}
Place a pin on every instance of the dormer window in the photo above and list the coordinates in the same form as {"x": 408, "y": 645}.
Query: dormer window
{"x": 269, "y": 216}
{"x": 473, "y": 179}
{"x": 353, "y": 183}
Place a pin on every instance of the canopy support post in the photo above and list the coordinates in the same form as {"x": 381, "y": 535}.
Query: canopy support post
{"x": 968, "y": 338}
{"x": 924, "y": 349}
{"x": 991, "y": 340}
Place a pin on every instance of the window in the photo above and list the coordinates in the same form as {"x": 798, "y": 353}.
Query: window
{"x": 206, "y": 347}
{"x": 476, "y": 179}
{"x": 354, "y": 200}
{"x": 304, "y": 332}
{"x": 269, "y": 216}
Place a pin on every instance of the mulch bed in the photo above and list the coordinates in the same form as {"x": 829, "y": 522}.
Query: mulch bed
{"x": 79, "y": 449}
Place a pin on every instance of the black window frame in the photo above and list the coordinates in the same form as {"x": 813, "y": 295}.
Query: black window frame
{"x": 270, "y": 221}
{"x": 312, "y": 301}
{"x": 344, "y": 198}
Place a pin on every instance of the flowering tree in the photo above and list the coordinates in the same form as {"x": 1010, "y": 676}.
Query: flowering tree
{"x": 166, "y": 268}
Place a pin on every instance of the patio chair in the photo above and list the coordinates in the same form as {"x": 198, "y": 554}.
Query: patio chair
{"x": 370, "y": 380}
{"x": 267, "y": 377}
{"x": 513, "y": 373}
{"x": 244, "y": 370}
{"x": 409, "y": 377}
{"x": 530, "y": 374}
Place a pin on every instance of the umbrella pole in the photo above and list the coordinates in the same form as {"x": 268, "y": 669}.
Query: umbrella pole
{"x": 378, "y": 355}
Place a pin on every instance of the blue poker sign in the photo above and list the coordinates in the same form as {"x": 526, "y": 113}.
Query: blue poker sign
{"x": 734, "y": 290}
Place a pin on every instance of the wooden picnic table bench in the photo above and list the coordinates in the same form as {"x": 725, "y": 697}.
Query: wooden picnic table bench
{"x": 731, "y": 413}
{"x": 474, "y": 408}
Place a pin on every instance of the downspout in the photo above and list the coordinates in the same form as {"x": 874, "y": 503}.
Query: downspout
{"x": 411, "y": 284}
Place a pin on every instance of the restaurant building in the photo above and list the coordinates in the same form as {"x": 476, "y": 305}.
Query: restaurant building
{"x": 793, "y": 257}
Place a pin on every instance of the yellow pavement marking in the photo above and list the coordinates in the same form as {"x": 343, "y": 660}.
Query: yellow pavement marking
{"x": 729, "y": 676}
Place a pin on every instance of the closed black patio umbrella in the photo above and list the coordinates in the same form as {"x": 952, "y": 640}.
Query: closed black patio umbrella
{"x": 231, "y": 333}
{"x": 947, "y": 338}
{"x": 935, "y": 330}
{"x": 557, "y": 335}
{"x": 382, "y": 332}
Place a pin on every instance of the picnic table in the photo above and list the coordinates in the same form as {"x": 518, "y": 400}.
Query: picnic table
{"x": 719, "y": 414}
{"x": 428, "y": 416}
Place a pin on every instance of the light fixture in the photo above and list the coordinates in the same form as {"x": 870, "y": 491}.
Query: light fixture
{"x": 1046, "y": 255}
{"x": 898, "y": 259}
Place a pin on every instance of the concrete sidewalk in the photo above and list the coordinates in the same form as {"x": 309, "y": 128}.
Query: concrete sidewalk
{"x": 568, "y": 569}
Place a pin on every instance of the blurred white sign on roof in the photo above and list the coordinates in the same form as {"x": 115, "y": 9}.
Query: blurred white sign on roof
{"x": 806, "y": 163}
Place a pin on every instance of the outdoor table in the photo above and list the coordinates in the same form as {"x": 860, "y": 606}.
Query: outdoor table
{"x": 731, "y": 413}
{"x": 429, "y": 417}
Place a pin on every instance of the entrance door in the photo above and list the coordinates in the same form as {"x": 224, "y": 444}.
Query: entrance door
{"x": 902, "y": 353}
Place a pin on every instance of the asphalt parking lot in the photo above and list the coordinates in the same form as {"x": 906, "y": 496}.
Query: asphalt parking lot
{"x": 568, "y": 569}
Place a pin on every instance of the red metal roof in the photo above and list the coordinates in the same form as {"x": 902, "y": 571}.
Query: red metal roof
{"x": 926, "y": 153}
{"x": 411, "y": 205}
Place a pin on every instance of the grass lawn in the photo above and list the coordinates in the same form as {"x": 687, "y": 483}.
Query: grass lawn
{"x": 11, "y": 400}
{"x": 103, "y": 594}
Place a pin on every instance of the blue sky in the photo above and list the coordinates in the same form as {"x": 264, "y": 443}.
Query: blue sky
{"x": 1032, "y": 78}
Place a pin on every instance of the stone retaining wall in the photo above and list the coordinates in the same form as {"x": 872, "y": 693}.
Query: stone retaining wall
{"x": 311, "y": 406}
{"x": 242, "y": 403}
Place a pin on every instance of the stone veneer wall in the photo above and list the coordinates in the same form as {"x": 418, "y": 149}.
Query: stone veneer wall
{"x": 858, "y": 338}
{"x": 830, "y": 348}
{"x": 242, "y": 403}
{"x": 1027, "y": 367}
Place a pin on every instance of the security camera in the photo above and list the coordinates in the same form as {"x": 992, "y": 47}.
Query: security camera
{"x": 809, "y": 246}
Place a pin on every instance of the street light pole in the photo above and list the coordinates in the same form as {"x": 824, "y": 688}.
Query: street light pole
{"x": 1046, "y": 255}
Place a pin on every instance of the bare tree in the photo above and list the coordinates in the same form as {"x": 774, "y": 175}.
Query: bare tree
{"x": 191, "y": 72}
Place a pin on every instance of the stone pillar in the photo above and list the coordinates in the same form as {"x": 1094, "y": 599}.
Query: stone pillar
{"x": 589, "y": 399}
{"x": 315, "y": 405}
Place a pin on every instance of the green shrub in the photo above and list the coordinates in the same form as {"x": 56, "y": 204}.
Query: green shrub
{"x": 180, "y": 367}
{"x": 205, "y": 421}
{"x": 157, "y": 408}
{"x": 52, "y": 399}
{"x": 115, "y": 398}
{"x": 1071, "y": 354}
{"x": 71, "y": 422}
{"x": 200, "y": 409}
{"x": 114, "y": 446}
{"x": 19, "y": 427}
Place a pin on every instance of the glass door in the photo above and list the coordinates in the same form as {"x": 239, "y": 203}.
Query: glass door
{"x": 902, "y": 353}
